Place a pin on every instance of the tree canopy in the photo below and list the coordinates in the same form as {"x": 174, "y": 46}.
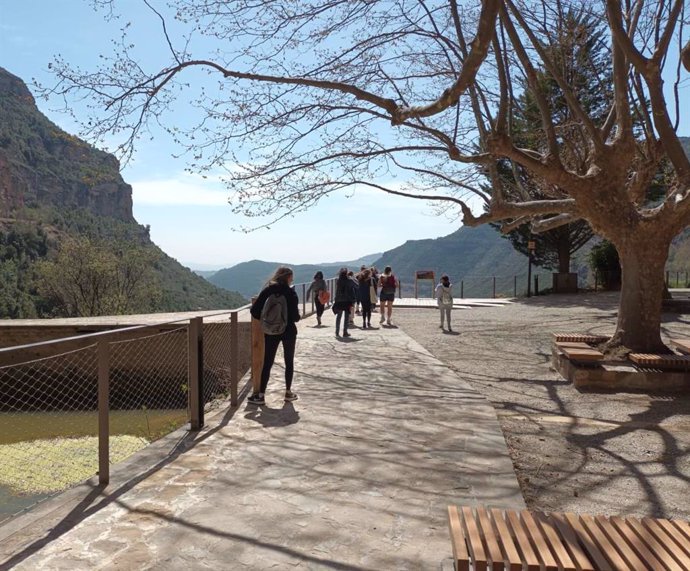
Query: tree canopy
{"x": 417, "y": 99}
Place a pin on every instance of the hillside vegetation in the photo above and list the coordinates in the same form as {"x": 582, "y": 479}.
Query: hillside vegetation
{"x": 54, "y": 186}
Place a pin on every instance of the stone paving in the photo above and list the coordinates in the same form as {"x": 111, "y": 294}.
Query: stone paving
{"x": 355, "y": 475}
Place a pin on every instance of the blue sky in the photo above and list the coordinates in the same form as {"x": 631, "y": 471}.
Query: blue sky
{"x": 188, "y": 214}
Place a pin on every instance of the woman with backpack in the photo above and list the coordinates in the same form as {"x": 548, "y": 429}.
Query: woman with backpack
{"x": 387, "y": 285}
{"x": 364, "y": 280}
{"x": 277, "y": 308}
{"x": 319, "y": 290}
{"x": 344, "y": 301}
{"x": 444, "y": 295}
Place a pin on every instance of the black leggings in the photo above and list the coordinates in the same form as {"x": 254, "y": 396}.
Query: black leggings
{"x": 366, "y": 310}
{"x": 271, "y": 343}
{"x": 319, "y": 306}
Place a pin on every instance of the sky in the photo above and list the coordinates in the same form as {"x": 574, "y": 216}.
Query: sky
{"x": 189, "y": 215}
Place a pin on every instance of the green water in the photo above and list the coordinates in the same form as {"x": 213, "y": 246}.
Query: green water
{"x": 146, "y": 423}
{"x": 30, "y": 426}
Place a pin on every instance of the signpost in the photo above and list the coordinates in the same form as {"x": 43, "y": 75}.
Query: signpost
{"x": 424, "y": 275}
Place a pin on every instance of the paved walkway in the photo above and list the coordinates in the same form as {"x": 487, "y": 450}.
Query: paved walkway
{"x": 355, "y": 475}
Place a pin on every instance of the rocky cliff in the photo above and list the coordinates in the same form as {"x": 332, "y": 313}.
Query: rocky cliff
{"x": 41, "y": 165}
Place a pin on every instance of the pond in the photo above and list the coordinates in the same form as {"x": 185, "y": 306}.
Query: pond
{"x": 44, "y": 453}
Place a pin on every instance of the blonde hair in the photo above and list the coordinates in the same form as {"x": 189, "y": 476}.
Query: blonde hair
{"x": 280, "y": 276}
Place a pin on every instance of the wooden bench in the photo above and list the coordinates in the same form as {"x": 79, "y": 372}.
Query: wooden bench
{"x": 663, "y": 362}
{"x": 580, "y": 352}
{"x": 494, "y": 539}
{"x": 683, "y": 345}
{"x": 578, "y": 338}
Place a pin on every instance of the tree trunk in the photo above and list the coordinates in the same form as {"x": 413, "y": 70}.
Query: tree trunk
{"x": 639, "y": 314}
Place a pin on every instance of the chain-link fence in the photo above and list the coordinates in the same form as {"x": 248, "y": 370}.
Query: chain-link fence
{"x": 70, "y": 415}
{"x": 48, "y": 423}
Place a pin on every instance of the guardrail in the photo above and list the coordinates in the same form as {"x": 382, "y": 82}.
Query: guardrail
{"x": 71, "y": 407}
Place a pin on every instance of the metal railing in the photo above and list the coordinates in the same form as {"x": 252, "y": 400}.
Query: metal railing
{"x": 90, "y": 401}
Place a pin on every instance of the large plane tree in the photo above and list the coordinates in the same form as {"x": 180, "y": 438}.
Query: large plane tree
{"x": 317, "y": 96}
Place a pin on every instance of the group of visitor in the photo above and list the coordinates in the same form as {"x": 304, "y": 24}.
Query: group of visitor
{"x": 277, "y": 308}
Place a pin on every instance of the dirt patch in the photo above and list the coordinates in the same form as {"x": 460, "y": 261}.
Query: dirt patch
{"x": 619, "y": 453}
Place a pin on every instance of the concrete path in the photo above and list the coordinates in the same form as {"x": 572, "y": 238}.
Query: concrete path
{"x": 354, "y": 475}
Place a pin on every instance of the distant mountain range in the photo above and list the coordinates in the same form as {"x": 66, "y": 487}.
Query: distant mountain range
{"x": 54, "y": 186}
{"x": 473, "y": 256}
{"x": 249, "y": 277}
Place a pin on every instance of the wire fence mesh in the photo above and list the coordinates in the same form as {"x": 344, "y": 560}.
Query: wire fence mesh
{"x": 148, "y": 388}
{"x": 48, "y": 424}
{"x": 217, "y": 363}
{"x": 49, "y": 417}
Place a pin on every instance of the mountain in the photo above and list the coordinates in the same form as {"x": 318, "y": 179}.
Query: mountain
{"x": 249, "y": 277}
{"x": 54, "y": 186}
{"x": 473, "y": 255}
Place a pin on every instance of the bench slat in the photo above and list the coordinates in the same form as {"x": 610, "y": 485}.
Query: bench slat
{"x": 653, "y": 527}
{"x": 583, "y": 338}
{"x": 555, "y": 542}
{"x": 537, "y": 541}
{"x": 475, "y": 540}
{"x": 669, "y": 560}
{"x": 673, "y": 532}
{"x": 506, "y": 539}
{"x": 457, "y": 535}
{"x": 660, "y": 361}
{"x": 571, "y": 540}
{"x": 543, "y": 551}
{"x": 497, "y": 562}
{"x": 623, "y": 548}
{"x": 525, "y": 548}
{"x": 603, "y": 543}
{"x": 638, "y": 545}
{"x": 576, "y": 354}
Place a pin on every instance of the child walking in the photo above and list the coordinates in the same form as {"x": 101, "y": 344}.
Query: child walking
{"x": 444, "y": 296}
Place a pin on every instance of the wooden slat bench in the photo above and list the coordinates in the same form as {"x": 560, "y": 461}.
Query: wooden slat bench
{"x": 683, "y": 345}
{"x": 654, "y": 361}
{"x": 580, "y": 354}
{"x": 578, "y": 338}
{"x": 498, "y": 540}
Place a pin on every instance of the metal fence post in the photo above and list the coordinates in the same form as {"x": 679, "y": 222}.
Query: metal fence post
{"x": 399, "y": 289}
{"x": 494, "y": 286}
{"x": 257, "y": 353}
{"x": 103, "y": 412}
{"x": 596, "y": 280}
{"x": 196, "y": 376}
{"x": 536, "y": 285}
{"x": 234, "y": 358}
{"x": 462, "y": 289}
{"x": 514, "y": 286}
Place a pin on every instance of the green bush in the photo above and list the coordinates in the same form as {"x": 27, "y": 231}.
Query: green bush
{"x": 605, "y": 264}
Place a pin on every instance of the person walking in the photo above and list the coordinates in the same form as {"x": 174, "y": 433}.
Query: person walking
{"x": 277, "y": 307}
{"x": 317, "y": 286}
{"x": 364, "y": 279}
{"x": 355, "y": 287}
{"x": 444, "y": 296}
{"x": 387, "y": 285}
{"x": 343, "y": 301}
